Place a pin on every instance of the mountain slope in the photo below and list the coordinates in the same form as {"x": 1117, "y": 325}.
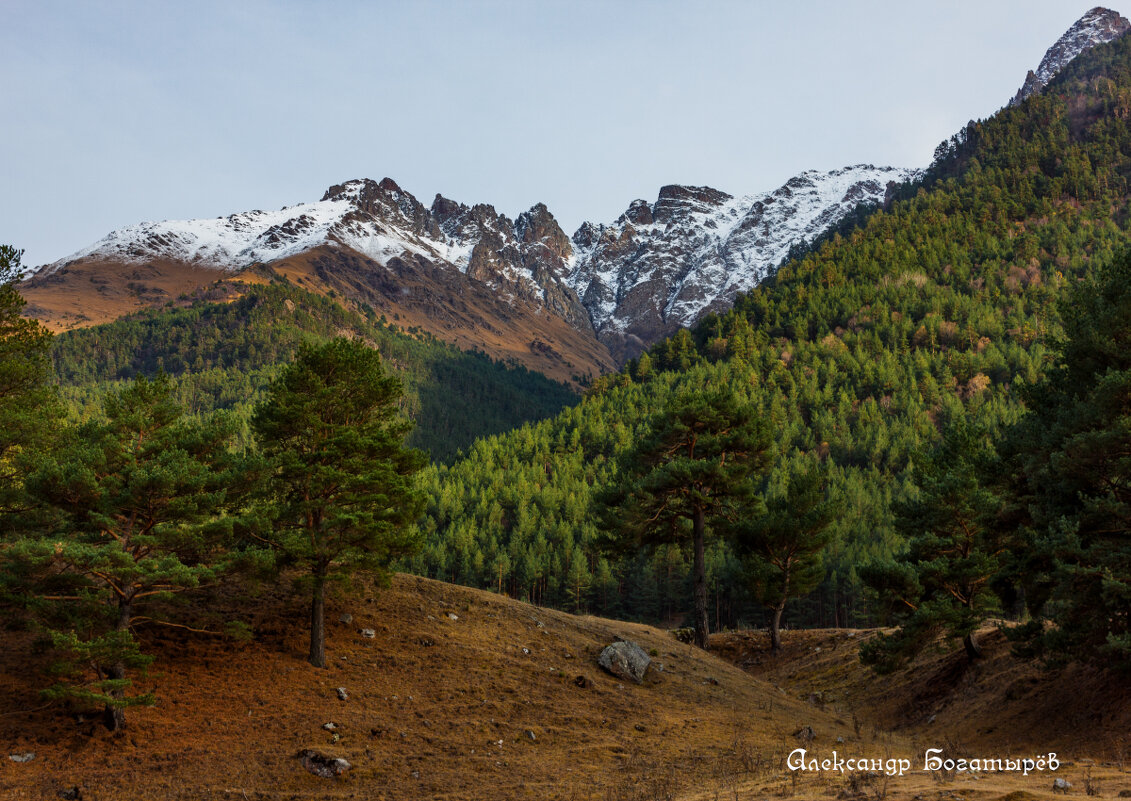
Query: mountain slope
{"x": 487, "y": 705}
{"x": 468, "y": 276}
{"x": 520, "y": 289}
{"x": 439, "y": 704}
{"x": 665, "y": 265}
{"x": 221, "y": 356}
{"x": 1098, "y": 26}
{"x": 944, "y": 303}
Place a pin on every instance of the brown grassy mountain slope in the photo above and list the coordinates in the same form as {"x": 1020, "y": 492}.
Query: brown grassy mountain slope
{"x": 409, "y": 291}
{"x": 1000, "y": 703}
{"x": 89, "y": 292}
{"x": 440, "y": 707}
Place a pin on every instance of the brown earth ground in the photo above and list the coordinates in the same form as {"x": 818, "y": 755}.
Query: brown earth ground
{"x": 441, "y": 708}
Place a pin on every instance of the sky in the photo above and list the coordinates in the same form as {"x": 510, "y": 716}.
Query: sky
{"x": 122, "y": 112}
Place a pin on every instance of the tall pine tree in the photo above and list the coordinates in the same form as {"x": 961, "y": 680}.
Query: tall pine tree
{"x": 340, "y": 486}
{"x": 688, "y": 478}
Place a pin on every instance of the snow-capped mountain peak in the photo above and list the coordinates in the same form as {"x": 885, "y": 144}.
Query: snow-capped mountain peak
{"x": 1098, "y": 26}
{"x": 663, "y": 265}
{"x": 658, "y": 266}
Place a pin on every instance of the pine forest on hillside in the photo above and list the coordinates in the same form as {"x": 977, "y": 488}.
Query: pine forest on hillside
{"x": 893, "y": 474}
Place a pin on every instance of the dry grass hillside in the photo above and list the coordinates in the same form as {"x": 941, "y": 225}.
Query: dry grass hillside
{"x": 442, "y": 703}
{"x": 409, "y": 293}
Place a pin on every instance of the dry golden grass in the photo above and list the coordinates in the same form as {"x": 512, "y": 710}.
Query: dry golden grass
{"x": 440, "y": 300}
{"x": 439, "y": 708}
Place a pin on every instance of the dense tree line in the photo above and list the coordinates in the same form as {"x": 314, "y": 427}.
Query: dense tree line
{"x": 222, "y": 356}
{"x": 943, "y": 306}
{"x": 121, "y": 520}
{"x": 941, "y": 385}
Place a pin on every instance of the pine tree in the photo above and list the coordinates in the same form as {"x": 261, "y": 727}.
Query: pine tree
{"x": 28, "y": 403}
{"x": 784, "y": 547}
{"x": 688, "y": 477}
{"x": 341, "y": 482}
{"x": 942, "y": 584}
{"x": 1073, "y": 479}
{"x": 140, "y": 497}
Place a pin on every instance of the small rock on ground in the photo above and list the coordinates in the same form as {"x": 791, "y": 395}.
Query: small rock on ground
{"x": 327, "y": 767}
{"x": 805, "y": 734}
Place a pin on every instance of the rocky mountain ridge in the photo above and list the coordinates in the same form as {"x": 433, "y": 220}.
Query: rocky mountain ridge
{"x": 617, "y": 287}
{"x": 1098, "y": 26}
{"x": 656, "y": 267}
{"x": 664, "y": 265}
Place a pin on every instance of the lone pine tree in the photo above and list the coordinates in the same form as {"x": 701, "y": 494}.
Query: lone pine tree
{"x": 783, "y": 548}
{"x": 687, "y": 479}
{"x": 340, "y": 481}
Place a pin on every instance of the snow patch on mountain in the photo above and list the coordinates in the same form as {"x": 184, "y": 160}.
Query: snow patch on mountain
{"x": 658, "y": 266}
{"x": 1098, "y": 26}
{"x": 664, "y": 265}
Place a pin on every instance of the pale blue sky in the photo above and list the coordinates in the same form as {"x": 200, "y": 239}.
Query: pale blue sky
{"x": 118, "y": 112}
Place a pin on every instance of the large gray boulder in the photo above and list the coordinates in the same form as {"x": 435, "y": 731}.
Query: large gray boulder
{"x": 625, "y": 660}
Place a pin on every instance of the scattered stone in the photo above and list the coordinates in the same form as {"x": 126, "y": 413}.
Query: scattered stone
{"x": 346, "y": 618}
{"x": 342, "y": 694}
{"x": 453, "y": 616}
{"x": 625, "y": 660}
{"x": 1061, "y": 786}
{"x": 368, "y": 634}
{"x": 805, "y": 734}
{"x": 526, "y": 651}
{"x": 931, "y": 719}
{"x": 71, "y": 793}
{"x": 26, "y": 757}
{"x": 583, "y": 682}
{"x": 319, "y": 764}
{"x": 839, "y": 740}
{"x": 531, "y": 736}
{"x": 1124, "y": 794}
{"x": 330, "y": 726}
{"x": 640, "y": 727}
{"x": 416, "y": 774}
{"x": 684, "y": 635}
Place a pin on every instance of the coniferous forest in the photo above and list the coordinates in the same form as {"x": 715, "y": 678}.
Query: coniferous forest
{"x": 945, "y": 310}
{"x": 920, "y": 420}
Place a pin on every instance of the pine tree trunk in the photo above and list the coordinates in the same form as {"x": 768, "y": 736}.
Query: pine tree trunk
{"x": 114, "y": 716}
{"x": 775, "y": 628}
{"x": 775, "y": 622}
{"x": 701, "y": 622}
{"x": 973, "y": 650}
{"x": 318, "y": 623}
